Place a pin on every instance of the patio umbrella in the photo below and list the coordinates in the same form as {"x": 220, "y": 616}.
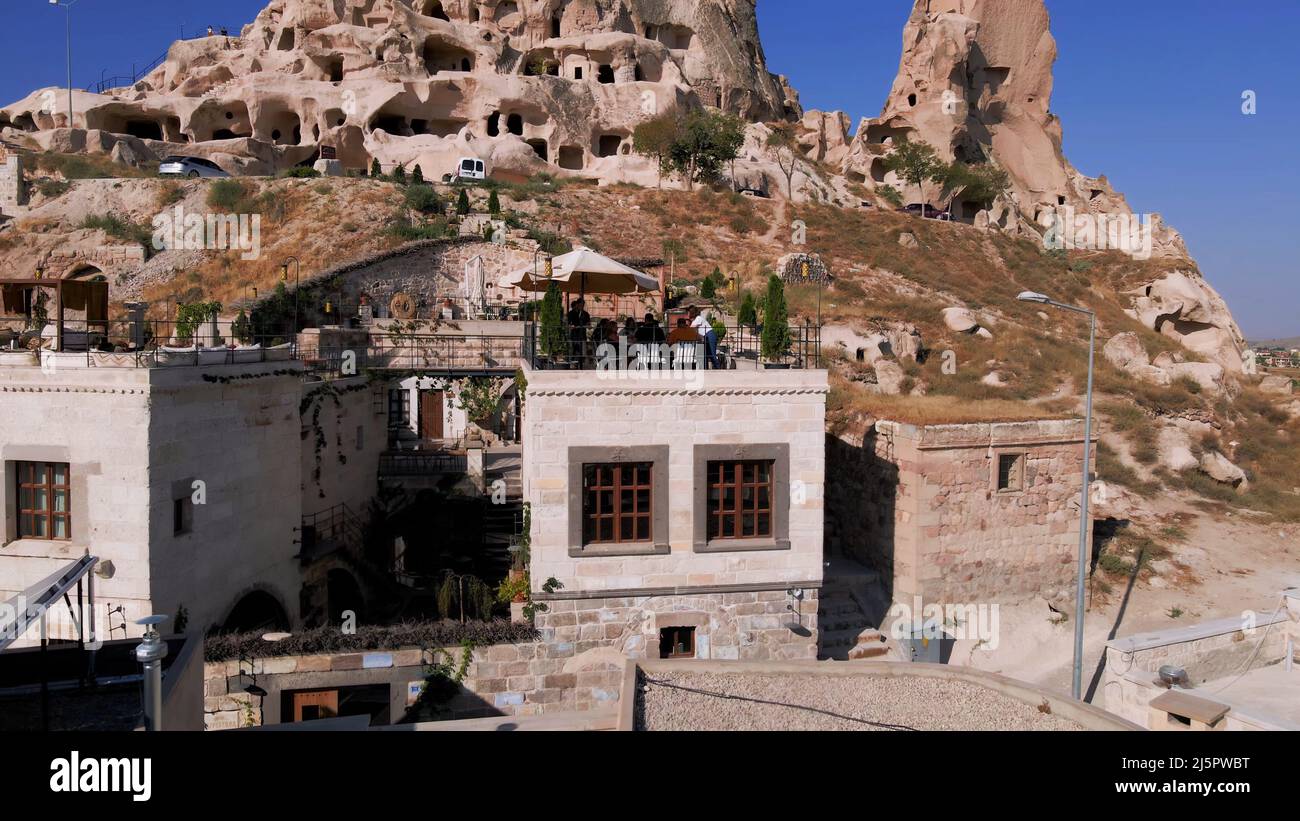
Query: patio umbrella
{"x": 583, "y": 271}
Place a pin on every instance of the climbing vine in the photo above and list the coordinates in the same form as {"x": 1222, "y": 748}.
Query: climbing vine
{"x": 313, "y": 402}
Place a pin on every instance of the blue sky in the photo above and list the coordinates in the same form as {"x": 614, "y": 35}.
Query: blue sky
{"x": 1149, "y": 92}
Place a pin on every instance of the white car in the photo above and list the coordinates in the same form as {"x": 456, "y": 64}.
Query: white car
{"x": 469, "y": 168}
{"x": 191, "y": 167}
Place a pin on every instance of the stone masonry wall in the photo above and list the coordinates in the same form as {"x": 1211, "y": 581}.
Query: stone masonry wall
{"x": 736, "y": 626}
{"x": 13, "y": 192}
{"x": 935, "y": 523}
{"x": 503, "y": 679}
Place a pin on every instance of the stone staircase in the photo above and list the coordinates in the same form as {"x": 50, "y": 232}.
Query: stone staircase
{"x": 845, "y": 631}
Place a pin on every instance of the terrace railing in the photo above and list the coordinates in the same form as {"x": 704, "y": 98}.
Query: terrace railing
{"x": 738, "y": 344}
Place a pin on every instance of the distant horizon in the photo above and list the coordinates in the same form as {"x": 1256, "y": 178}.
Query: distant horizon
{"x": 1153, "y": 103}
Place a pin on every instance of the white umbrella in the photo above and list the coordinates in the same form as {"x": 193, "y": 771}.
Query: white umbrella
{"x": 583, "y": 271}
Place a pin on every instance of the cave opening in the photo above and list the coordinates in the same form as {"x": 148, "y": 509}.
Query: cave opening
{"x": 606, "y": 75}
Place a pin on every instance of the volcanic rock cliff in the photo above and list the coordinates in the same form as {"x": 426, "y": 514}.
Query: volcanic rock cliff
{"x": 524, "y": 84}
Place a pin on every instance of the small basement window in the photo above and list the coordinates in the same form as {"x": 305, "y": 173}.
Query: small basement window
{"x": 677, "y": 643}
{"x": 182, "y": 515}
{"x": 1011, "y": 472}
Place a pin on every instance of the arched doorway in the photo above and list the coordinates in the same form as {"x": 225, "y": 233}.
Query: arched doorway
{"x": 343, "y": 594}
{"x": 257, "y": 610}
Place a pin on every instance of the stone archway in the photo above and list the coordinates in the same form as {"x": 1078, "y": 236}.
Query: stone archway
{"x": 256, "y": 610}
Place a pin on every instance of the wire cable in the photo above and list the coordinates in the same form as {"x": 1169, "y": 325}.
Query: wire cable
{"x": 880, "y": 725}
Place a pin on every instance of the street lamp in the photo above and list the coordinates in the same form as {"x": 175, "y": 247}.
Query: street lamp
{"x": 1031, "y": 296}
{"x": 67, "y": 4}
{"x": 284, "y": 277}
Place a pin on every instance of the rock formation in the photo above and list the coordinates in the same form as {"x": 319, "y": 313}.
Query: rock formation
{"x": 528, "y": 85}
{"x": 1184, "y": 307}
{"x": 975, "y": 82}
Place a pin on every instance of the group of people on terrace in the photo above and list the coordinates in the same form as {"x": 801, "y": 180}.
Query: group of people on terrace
{"x": 645, "y": 340}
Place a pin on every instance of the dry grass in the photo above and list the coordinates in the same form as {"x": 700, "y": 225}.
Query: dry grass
{"x": 850, "y": 399}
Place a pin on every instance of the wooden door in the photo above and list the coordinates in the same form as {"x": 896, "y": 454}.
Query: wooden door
{"x": 431, "y": 426}
{"x": 309, "y": 706}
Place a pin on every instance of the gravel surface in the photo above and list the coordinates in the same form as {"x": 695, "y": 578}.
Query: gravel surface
{"x": 668, "y": 701}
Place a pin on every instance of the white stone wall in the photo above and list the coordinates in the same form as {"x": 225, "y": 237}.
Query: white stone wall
{"x": 566, "y": 409}
{"x": 353, "y": 480}
{"x": 134, "y": 439}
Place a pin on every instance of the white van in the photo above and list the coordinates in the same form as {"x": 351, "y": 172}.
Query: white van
{"x": 468, "y": 168}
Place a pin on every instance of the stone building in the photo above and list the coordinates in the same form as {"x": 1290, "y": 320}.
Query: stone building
{"x": 13, "y": 192}
{"x": 189, "y": 483}
{"x": 962, "y": 513}
{"x": 680, "y": 517}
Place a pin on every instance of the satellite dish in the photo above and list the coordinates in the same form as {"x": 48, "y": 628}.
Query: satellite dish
{"x": 150, "y": 621}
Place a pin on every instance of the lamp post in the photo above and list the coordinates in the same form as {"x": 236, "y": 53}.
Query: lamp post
{"x": 1030, "y": 296}
{"x": 284, "y": 277}
{"x": 67, "y": 4}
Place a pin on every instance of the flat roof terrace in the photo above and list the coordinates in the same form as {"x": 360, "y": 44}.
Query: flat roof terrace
{"x": 728, "y": 695}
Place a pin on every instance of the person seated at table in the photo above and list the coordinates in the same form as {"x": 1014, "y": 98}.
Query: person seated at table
{"x": 629, "y": 328}
{"x": 683, "y": 334}
{"x": 649, "y": 332}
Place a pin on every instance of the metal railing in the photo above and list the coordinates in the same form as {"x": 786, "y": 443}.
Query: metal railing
{"x": 337, "y": 524}
{"x": 738, "y": 343}
{"x": 421, "y": 463}
{"x": 435, "y": 353}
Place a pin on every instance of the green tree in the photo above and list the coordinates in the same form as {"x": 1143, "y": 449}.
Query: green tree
{"x": 462, "y": 203}
{"x": 707, "y": 289}
{"x": 399, "y": 173}
{"x": 423, "y": 198}
{"x": 980, "y": 184}
{"x": 241, "y": 329}
{"x": 775, "y": 340}
{"x": 784, "y": 141}
{"x": 748, "y": 313}
{"x": 707, "y": 140}
{"x": 916, "y": 163}
{"x": 417, "y": 175}
{"x": 375, "y": 170}
{"x": 654, "y": 138}
{"x": 494, "y": 203}
{"x": 553, "y": 342}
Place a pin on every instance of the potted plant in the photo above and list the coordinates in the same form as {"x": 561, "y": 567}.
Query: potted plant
{"x": 775, "y": 340}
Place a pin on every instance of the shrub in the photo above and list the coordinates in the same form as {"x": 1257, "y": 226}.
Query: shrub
{"x": 748, "y": 313}
{"x": 776, "y": 321}
{"x": 553, "y": 341}
{"x": 300, "y": 172}
{"x": 462, "y": 203}
{"x": 375, "y": 170}
{"x": 228, "y": 195}
{"x": 494, "y": 203}
{"x": 329, "y": 639}
{"x": 399, "y": 173}
{"x": 423, "y": 198}
{"x": 417, "y": 175}
{"x": 52, "y": 188}
{"x": 120, "y": 228}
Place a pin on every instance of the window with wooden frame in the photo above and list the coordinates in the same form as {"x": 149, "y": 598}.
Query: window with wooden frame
{"x": 740, "y": 499}
{"x": 617, "y": 503}
{"x": 44, "y": 500}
